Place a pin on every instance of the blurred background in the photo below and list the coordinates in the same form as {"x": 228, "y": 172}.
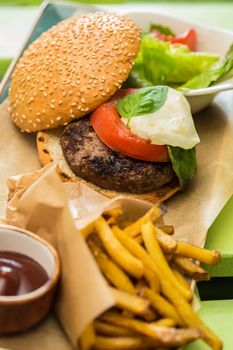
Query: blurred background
{"x": 17, "y": 16}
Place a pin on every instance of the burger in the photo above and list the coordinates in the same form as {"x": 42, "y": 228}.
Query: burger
{"x": 67, "y": 88}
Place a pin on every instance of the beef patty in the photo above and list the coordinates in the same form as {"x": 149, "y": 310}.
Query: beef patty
{"x": 92, "y": 160}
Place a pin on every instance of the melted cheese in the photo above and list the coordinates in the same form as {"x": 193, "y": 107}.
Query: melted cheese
{"x": 171, "y": 125}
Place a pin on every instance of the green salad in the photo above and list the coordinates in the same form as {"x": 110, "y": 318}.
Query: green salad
{"x": 166, "y": 59}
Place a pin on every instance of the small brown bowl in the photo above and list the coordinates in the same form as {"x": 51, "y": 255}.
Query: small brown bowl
{"x": 19, "y": 313}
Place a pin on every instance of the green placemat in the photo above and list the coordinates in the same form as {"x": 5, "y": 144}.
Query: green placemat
{"x": 218, "y": 315}
{"x": 220, "y": 237}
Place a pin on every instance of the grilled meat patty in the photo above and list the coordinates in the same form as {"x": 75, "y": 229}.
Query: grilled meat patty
{"x": 92, "y": 160}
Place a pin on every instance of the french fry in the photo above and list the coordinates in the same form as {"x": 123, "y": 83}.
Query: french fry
{"x": 150, "y": 316}
{"x": 168, "y": 229}
{"x": 114, "y": 212}
{"x": 140, "y": 285}
{"x": 112, "y": 215}
{"x": 117, "y": 251}
{"x": 162, "y": 306}
{"x": 112, "y": 330}
{"x": 136, "y": 249}
{"x": 112, "y": 271}
{"x": 169, "y": 257}
{"x": 188, "y": 315}
{"x": 88, "y": 337}
{"x": 115, "y": 343}
{"x": 138, "y": 239}
{"x": 127, "y": 314}
{"x": 153, "y": 248}
{"x": 181, "y": 278}
{"x": 185, "y": 309}
{"x": 152, "y": 279}
{"x": 164, "y": 336}
{"x": 86, "y": 231}
{"x": 165, "y": 322}
{"x": 203, "y": 255}
{"x": 130, "y": 302}
{"x": 153, "y": 214}
{"x": 173, "y": 294}
{"x": 167, "y": 243}
{"x": 191, "y": 269}
{"x": 111, "y": 220}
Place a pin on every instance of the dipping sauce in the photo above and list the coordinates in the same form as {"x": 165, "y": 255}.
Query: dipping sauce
{"x": 20, "y": 274}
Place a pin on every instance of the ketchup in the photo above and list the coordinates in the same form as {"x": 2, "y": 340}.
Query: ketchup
{"x": 20, "y": 274}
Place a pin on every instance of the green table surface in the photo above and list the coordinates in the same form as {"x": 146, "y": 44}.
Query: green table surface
{"x": 218, "y": 315}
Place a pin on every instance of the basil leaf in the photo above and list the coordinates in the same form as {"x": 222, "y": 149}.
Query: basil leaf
{"x": 162, "y": 29}
{"x": 183, "y": 163}
{"x": 146, "y": 100}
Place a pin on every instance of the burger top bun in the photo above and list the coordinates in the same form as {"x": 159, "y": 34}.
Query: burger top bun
{"x": 71, "y": 69}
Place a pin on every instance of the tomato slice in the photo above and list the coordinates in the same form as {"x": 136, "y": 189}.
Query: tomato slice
{"x": 115, "y": 134}
{"x": 188, "y": 38}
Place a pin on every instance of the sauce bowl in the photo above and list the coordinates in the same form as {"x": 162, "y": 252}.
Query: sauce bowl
{"x": 21, "y": 312}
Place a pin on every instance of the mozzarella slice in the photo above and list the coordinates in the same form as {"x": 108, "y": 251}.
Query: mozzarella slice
{"x": 171, "y": 125}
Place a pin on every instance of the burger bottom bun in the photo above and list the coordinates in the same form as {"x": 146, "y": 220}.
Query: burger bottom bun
{"x": 49, "y": 150}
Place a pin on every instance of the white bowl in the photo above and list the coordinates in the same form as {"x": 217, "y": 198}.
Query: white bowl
{"x": 209, "y": 39}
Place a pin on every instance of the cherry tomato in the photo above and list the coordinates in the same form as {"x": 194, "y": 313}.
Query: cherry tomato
{"x": 188, "y": 38}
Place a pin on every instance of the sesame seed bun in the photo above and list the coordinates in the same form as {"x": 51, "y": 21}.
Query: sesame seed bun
{"x": 49, "y": 150}
{"x": 71, "y": 69}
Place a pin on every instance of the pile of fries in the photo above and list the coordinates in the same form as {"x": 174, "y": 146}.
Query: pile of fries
{"x": 147, "y": 271}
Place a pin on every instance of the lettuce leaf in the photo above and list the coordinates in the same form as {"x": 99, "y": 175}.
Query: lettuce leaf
{"x": 220, "y": 71}
{"x": 183, "y": 163}
{"x": 162, "y": 29}
{"x": 161, "y": 63}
